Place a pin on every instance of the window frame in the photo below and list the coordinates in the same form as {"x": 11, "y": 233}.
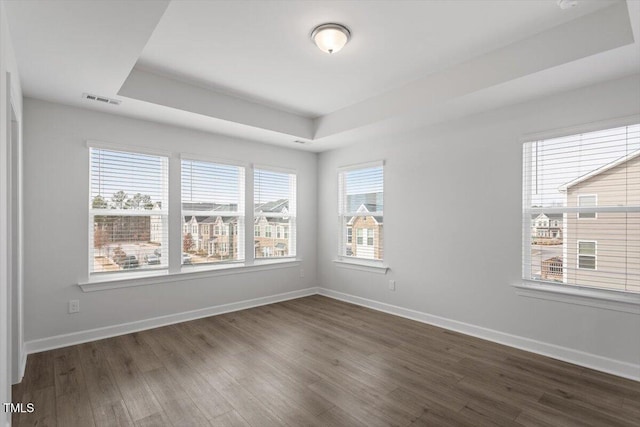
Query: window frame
{"x": 241, "y": 215}
{"x": 343, "y": 260}
{"x": 588, "y": 296}
{"x": 175, "y": 271}
{"x": 595, "y": 205}
{"x": 594, "y": 256}
{"x": 292, "y": 214}
{"x": 164, "y": 213}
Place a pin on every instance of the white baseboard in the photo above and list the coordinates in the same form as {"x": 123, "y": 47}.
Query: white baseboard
{"x": 592, "y": 361}
{"x": 59, "y": 341}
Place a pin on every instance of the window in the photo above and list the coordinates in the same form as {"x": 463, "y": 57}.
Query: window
{"x": 212, "y": 193}
{"x": 587, "y": 255}
{"x": 128, "y": 214}
{"x": 585, "y": 201}
{"x": 274, "y": 205}
{"x": 591, "y": 182}
{"x": 360, "y": 207}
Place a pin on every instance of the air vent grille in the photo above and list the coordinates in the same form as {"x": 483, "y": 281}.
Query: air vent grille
{"x": 102, "y": 99}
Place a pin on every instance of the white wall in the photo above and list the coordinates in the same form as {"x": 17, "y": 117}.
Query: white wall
{"x": 453, "y": 224}
{"x": 10, "y": 340}
{"x": 56, "y": 239}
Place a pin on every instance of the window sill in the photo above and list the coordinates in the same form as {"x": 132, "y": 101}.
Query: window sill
{"x": 154, "y": 278}
{"x": 600, "y": 298}
{"x": 372, "y": 267}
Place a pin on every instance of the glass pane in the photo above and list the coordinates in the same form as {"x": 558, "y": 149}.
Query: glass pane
{"x": 562, "y": 171}
{"x": 211, "y": 194}
{"x": 274, "y": 210}
{"x": 121, "y": 180}
{"x": 270, "y": 242}
{"x": 128, "y": 243}
{"x": 364, "y": 190}
{"x": 211, "y": 239}
{"x": 587, "y": 248}
{"x": 367, "y": 243}
{"x": 587, "y": 262}
{"x": 131, "y": 189}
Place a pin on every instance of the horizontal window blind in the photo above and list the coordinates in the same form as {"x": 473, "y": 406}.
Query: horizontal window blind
{"x": 581, "y": 209}
{"x": 274, "y": 213}
{"x": 212, "y": 212}
{"x": 128, "y": 217}
{"x": 360, "y": 208}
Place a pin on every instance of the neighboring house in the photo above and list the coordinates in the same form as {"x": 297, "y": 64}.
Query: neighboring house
{"x": 271, "y": 234}
{"x": 215, "y": 236}
{"x": 364, "y": 234}
{"x": 592, "y": 251}
{"x": 546, "y": 228}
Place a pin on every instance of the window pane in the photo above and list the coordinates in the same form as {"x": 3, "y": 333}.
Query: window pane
{"x": 131, "y": 190}
{"x": 212, "y": 213}
{"x": 587, "y": 248}
{"x": 587, "y": 262}
{"x": 274, "y": 209}
{"x": 587, "y": 201}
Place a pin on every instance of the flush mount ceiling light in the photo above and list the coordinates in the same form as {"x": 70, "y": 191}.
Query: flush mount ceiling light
{"x": 567, "y": 4}
{"x": 330, "y": 38}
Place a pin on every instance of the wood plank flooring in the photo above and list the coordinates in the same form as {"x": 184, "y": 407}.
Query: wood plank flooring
{"x": 314, "y": 361}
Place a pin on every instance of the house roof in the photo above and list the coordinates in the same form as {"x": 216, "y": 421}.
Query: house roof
{"x": 599, "y": 170}
{"x": 552, "y": 216}
{"x": 273, "y": 206}
{"x": 366, "y": 207}
{"x": 210, "y": 219}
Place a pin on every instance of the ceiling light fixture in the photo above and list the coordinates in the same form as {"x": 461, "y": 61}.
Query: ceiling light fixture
{"x": 330, "y": 38}
{"x": 567, "y": 4}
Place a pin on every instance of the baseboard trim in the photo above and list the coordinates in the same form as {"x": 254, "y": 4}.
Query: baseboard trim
{"x": 64, "y": 340}
{"x": 588, "y": 360}
{"x": 592, "y": 361}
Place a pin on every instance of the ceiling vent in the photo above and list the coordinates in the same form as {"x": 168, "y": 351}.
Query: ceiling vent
{"x": 102, "y": 99}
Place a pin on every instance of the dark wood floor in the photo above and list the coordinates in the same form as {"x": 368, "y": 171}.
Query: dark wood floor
{"x": 314, "y": 361}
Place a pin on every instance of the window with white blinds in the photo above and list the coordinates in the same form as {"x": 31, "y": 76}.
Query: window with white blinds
{"x": 274, "y": 204}
{"x": 128, "y": 216}
{"x": 581, "y": 210}
{"x": 360, "y": 208}
{"x": 212, "y": 212}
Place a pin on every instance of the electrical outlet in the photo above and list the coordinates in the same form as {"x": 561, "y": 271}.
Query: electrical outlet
{"x": 301, "y": 272}
{"x": 74, "y": 306}
{"x": 392, "y": 285}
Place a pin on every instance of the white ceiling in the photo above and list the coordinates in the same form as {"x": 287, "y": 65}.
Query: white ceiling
{"x": 249, "y": 69}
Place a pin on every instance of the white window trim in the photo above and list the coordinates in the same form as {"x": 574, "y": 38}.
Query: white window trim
{"x": 579, "y": 295}
{"x": 575, "y": 294}
{"x": 579, "y": 196}
{"x": 362, "y": 264}
{"x": 163, "y": 213}
{"x": 292, "y": 214}
{"x": 355, "y": 263}
{"x": 595, "y": 256}
{"x": 175, "y": 271}
{"x": 162, "y": 277}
